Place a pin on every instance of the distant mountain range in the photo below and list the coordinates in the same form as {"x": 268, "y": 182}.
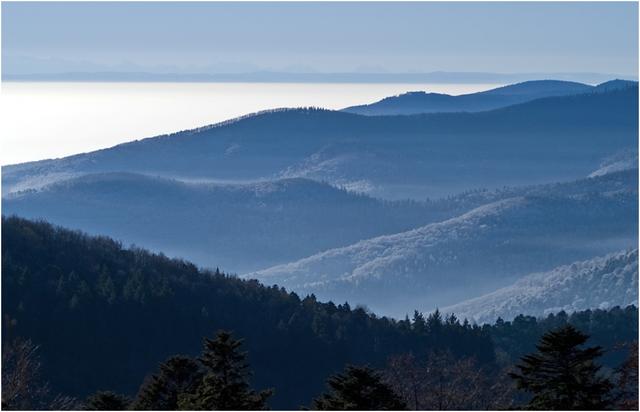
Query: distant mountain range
{"x": 106, "y": 74}
{"x": 422, "y": 102}
{"x": 250, "y": 226}
{"x": 396, "y": 212}
{"x": 597, "y": 283}
{"x": 393, "y": 157}
{"x": 240, "y": 227}
{"x": 489, "y": 247}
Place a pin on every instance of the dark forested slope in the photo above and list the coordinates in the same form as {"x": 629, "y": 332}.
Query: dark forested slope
{"x": 105, "y": 316}
{"x": 241, "y": 227}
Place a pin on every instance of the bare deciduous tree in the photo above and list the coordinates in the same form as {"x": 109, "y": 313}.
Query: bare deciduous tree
{"x": 628, "y": 380}
{"x": 22, "y": 387}
{"x": 442, "y": 382}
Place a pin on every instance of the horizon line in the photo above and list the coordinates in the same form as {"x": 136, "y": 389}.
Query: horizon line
{"x": 266, "y": 76}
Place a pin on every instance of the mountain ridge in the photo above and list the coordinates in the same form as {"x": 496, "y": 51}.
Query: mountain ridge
{"x": 504, "y": 239}
{"x": 424, "y": 102}
{"x": 240, "y": 226}
{"x": 267, "y": 145}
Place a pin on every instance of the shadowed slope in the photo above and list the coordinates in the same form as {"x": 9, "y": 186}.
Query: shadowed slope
{"x": 549, "y": 139}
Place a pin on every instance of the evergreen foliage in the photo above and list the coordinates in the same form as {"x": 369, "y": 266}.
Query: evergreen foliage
{"x": 65, "y": 291}
{"x": 107, "y": 401}
{"x": 359, "y": 389}
{"x": 177, "y": 377}
{"x": 607, "y": 328}
{"x": 562, "y": 375}
{"x": 225, "y": 385}
{"x": 68, "y": 290}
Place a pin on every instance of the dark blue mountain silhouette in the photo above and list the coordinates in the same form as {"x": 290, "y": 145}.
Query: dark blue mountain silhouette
{"x": 549, "y": 139}
{"x": 422, "y": 102}
{"x": 239, "y": 227}
{"x": 616, "y": 84}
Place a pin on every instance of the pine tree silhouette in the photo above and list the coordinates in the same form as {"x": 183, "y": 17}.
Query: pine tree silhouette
{"x": 179, "y": 376}
{"x": 562, "y": 376}
{"x": 356, "y": 389}
{"x": 107, "y": 401}
{"x": 225, "y": 385}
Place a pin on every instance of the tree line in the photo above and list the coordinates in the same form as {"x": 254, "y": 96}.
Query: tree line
{"x": 103, "y": 316}
{"x": 562, "y": 374}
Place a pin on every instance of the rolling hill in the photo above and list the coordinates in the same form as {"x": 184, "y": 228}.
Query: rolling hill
{"x": 601, "y": 282}
{"x": 426, "y": 155}
{"x": 242, "y": 227}
{"x": 252, "y": 226}
{"x": 91, "y": 304}
{"x": 279, "y": 195}
{"x": 477, "y": 252}
{"x": 104, "y": 316}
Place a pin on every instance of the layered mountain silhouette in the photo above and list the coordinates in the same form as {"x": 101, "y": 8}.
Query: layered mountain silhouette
{"x": 488, "y": 247}
{"x": 247, "y": 227}
{"x": 239, "y": 226}
{"x": 316, "y": 200}
{"x": 426, "y": 155}
{"x": 423, "y": 102}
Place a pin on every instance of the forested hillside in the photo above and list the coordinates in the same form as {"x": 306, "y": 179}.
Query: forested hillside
{"x": 241, "y": 227}
{"x": 600, "y": 282}
{"x": 93, "y": 305}
{"x": 487, "y": 248}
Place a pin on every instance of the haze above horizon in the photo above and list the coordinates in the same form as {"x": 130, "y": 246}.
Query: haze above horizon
{"x": 81, "y": 117}
{"x": 214, "y": 38}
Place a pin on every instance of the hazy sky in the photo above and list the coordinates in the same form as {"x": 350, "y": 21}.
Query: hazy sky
{"x": 373, "y": 37}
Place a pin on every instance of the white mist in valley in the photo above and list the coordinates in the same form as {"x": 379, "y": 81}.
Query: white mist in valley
{"x": 48, "y": 120}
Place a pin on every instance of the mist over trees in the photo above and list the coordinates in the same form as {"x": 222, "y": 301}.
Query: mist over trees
{"x": 425, "y": 251}
{"x": 66, "y": 290}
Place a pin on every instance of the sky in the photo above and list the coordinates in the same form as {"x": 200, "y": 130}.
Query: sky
{"x": 163, "y": 37}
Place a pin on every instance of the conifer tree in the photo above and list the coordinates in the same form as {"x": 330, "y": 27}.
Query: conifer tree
{"x": 225, "y": 384}
{"x": 419, "y": 324}
{"x": 107, "y": 401}
{"x": 178, "y": 377}
{"x": 359, "y": 388}
{"x": 434, "y": 322}
{"x": 562, "y": 375}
